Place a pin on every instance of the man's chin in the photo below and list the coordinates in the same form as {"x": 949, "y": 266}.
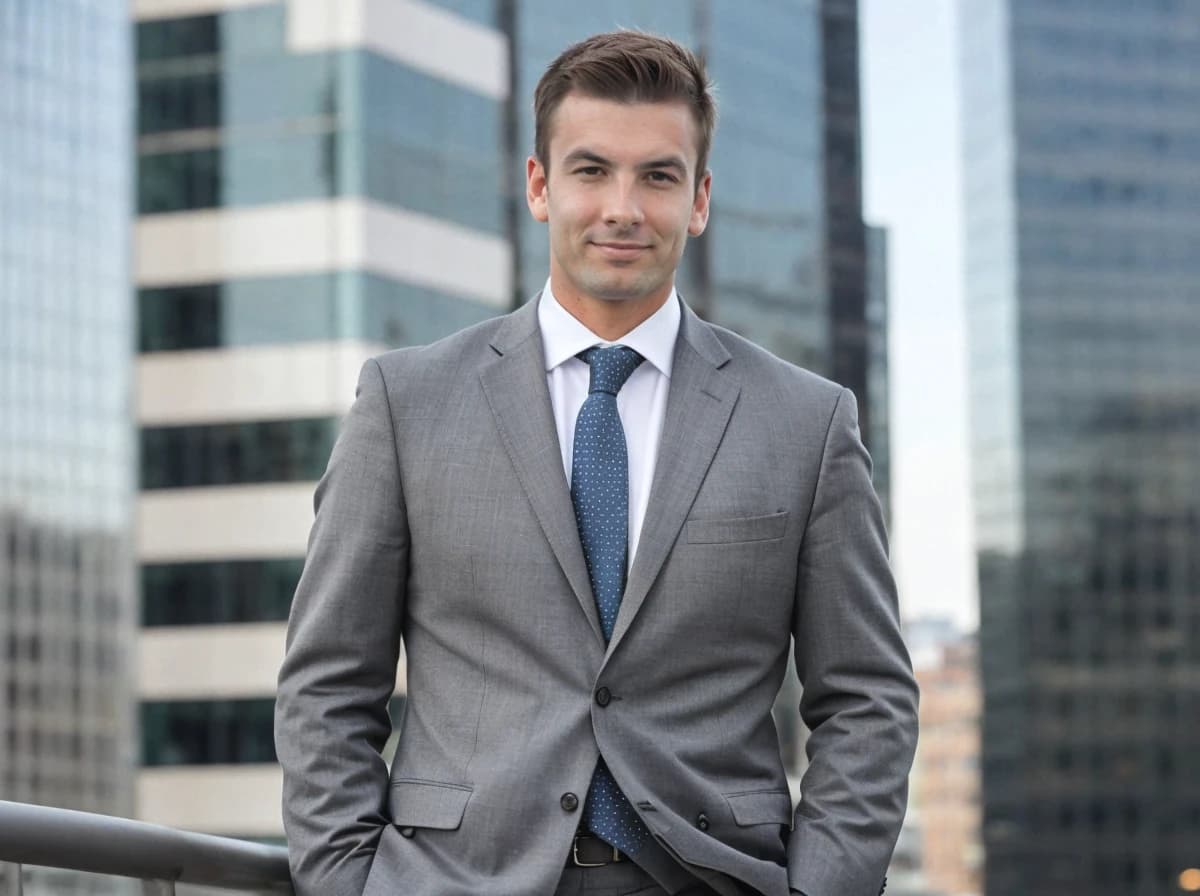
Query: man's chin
{"x": 609, "y": 289}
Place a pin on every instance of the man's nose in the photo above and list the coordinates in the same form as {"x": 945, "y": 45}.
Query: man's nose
{"x": 622, "y": 207}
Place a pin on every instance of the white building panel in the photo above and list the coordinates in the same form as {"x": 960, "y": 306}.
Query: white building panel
{"x": 316, "y": 236}
{"x": 413, "y": 33}
{"x": 224, "y": 522}
{"x": 263, "y": 382}
{"x": 238, "y": 800}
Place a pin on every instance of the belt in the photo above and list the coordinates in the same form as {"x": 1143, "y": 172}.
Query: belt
{"x": 589, "y": 851}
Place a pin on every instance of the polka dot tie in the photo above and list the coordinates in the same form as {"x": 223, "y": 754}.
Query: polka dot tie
{"x": 600, "y": 493}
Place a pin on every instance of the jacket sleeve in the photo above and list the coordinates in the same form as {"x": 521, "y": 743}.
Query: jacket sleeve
{"x": 343, "y": 641}
{"x": 860, "y": 697}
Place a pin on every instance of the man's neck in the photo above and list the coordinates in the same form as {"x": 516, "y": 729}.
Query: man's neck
{"x": 610, "y": 320}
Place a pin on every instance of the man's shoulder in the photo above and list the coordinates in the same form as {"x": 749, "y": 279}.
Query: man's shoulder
{"x": 423, "y": 372}
{"x": 757, "y": 366}
{"x": 449, "y": 349}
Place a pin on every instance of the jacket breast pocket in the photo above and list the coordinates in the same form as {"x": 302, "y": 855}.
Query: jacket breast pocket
{"x": 427, "y": 804}
{"x": 740, "y": 529}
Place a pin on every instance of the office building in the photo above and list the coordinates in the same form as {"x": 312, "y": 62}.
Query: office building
{"x": 318, "y": 181}
{"x": 67, "y": 462}
{"x": 947, "y": 775}
{"x": 1082, "y": 178}
{"x": 67, "y": 597}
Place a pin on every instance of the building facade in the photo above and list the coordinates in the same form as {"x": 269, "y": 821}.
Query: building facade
{"x": 319, "y": 180}
{"x": 67, "y": 462}
{"x": 947, "y": 779}
{"x": 1082, "y": 166}
{"x": 67, "y": 597}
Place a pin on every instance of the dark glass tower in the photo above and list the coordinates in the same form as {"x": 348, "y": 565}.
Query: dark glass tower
{"x": 1082, "y": 144}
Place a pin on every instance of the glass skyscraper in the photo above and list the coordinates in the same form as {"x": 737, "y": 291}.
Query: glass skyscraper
{"x": 67, "y": 597}
{"x": 1082, "y": 162}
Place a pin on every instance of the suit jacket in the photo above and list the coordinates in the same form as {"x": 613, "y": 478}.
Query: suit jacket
{"x": 444, "y": 519}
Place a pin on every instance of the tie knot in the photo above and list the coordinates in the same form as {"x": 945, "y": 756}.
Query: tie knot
{"x": 611, "y": 367}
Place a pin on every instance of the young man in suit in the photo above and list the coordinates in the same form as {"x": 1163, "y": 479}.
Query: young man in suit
{"x": 599, "y": 525}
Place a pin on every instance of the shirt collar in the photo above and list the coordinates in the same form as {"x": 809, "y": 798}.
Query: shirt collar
{"x": 564, "y": 336}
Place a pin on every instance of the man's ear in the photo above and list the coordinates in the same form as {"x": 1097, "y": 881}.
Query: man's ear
{"x": 699, "y": 219}
{"x": 535, "y": 189}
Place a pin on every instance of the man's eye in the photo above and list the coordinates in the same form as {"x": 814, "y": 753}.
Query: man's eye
{"x": 662, "y": 177}
{"x": 589, "y": 170}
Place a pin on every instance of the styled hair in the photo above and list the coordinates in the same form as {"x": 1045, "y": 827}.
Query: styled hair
{"x": 629, "y": 67}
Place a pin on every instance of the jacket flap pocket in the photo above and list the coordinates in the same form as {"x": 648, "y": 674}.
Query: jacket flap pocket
{"x": 761, "y": 807}
{"x": 427, "y": 804}
{"x": 748, "y": 528}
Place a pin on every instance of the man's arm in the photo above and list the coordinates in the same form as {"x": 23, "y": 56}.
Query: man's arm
{"x": 860, "y": 698}
{"x": 343, "y": 642}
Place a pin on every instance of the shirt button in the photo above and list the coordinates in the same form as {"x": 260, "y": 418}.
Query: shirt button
{"x": 702, "y": 821}
{"x": 603, "y": 696}
{"x": 408, "y": 832}
{"x": 569, "y": 802}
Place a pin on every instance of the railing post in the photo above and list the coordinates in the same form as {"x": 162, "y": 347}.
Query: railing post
{"x": 158, "y": 888}
{"x": 12, "y": 879}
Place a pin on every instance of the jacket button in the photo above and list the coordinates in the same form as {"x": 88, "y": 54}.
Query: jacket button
{"x": 702, "y": 821}
{"x": 603, "y": 696}
{"x": 407, "y": 832}
{"x": 569, "y": 802}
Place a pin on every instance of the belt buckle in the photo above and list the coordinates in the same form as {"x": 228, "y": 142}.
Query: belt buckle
{"x": 616, "y": 855}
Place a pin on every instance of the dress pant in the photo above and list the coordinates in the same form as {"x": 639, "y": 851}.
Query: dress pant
{"x": 620, "y": 879}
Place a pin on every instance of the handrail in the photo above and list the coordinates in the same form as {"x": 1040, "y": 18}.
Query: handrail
{"x": 105, "y": 844}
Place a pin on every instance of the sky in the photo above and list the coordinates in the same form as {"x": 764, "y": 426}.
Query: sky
{"x": 912, "y": 186}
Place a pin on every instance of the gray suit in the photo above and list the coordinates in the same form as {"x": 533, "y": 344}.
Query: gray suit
{"x": 445, "y": 518}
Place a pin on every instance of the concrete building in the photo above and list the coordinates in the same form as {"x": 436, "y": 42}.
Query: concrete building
{"x": 947, "y": 779}
{"x": 311, "y": 177}
{"x": 1082, "y": 166}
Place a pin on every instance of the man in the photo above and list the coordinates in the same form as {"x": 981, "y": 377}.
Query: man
{"x": 598, "y": 524}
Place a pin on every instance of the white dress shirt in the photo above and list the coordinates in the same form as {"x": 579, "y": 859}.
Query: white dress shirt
{"x": 641, "y": 403}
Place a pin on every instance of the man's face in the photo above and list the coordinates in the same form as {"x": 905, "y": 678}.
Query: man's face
{"x": 620, "y": 198}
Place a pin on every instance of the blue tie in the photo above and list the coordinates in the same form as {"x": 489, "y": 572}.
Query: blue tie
{"x": 600, "y": 493}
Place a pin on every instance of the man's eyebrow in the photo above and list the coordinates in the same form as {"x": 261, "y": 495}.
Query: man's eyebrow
{"x": 585, "y": 155}
{"x": 666, "y": 162}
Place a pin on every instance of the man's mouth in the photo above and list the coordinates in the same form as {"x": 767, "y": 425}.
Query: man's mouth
{"x": 619, "y": 250}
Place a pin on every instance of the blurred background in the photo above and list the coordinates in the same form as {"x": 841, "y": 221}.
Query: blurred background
{"x": 983, "y": 216}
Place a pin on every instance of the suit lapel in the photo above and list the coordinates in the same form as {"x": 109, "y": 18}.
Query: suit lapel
{"x": 699, "y": 403}
{"x": 515, "y": 386}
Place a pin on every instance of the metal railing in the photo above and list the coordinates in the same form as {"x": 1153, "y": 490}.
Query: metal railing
{"x": 159, "y": 856}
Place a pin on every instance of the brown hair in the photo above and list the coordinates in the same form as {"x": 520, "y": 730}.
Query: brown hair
{"x": 629, "y": 67}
